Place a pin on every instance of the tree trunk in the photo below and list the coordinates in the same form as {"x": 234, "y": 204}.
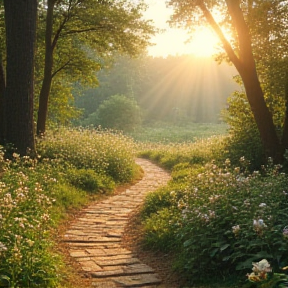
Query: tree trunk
{"x": 262, "y": 115}
{"x": 245, "y": 65}
{"x": 47, "y": 80}
{"x": 2, "y": 103}
{"x": 20, "y": 21}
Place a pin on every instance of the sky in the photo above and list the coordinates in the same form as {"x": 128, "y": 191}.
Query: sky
{"x": 172, "y": 41}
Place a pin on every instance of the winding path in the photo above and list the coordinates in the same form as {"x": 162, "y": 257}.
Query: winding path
{"x": 94, "y": 239}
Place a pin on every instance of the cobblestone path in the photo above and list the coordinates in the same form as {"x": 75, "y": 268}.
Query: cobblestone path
{"x": 94, "y": 239}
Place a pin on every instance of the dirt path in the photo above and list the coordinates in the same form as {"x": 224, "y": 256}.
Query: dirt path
{"x": 95, "y": 239}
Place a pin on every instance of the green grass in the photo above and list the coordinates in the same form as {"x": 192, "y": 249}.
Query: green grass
{"x": 160, "y": 132}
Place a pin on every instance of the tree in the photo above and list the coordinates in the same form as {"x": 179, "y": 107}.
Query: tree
{"x": 20, "y": 21}
{"x": 118, "y": 112}
{"x": 91, "y": 28}
{"x": 240, "y": 52}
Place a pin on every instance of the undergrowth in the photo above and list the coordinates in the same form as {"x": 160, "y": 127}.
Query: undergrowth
{"x": 35, "y": 195}
{"x": 215, "y": 217}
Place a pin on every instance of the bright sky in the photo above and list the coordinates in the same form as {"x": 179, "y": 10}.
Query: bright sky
{"x": 172, "y": 41}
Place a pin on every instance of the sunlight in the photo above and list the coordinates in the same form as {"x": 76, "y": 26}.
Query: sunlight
{"x": 173, "y": 41}
{"x": 204, "y": 43}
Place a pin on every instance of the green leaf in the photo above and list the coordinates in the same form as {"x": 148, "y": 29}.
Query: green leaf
{"x": 222, "y": 248}
{"x": 4, "y": 281}
{"x": 214, "y": 251}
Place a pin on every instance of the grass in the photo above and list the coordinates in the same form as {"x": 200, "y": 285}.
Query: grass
{"x": 166, "y": 133}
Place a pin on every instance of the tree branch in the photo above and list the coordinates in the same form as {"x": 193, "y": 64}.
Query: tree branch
{"x": 242, "y": 29}
{"x": 226, "y": 45}
{"x": 60, "y": 68}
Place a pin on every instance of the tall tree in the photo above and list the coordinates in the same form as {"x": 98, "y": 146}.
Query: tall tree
{"x": 95, "y": 27}
{"x": 20, "y": 21}
{"x": 2, "y": 74}
{"x": 2, "y": 103}
{"x": 240, "y": 52}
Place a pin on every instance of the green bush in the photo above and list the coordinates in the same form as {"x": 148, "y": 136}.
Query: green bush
{"x": 244, "y": 138}
{"x": 105, "y": 152}
{"x": 225, "y": 219}
{"x": 88, "y": 180}
{"x": 118, "y": 112}
{"x": 25, "y": 221}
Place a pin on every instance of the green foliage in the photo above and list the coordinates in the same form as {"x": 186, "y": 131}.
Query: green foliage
{"x": 103, "y": 151}
{"x": 224, "y": 218}
{"x": 88, "y": 180}
{"x": 162, "y": 231}
{"x": 35, "y": 195}
{"x": 79, "y": 30}
{"x": 118, "y": 112}
{"x": 25, "y": 212}
{"x": 244, "y": 139}
{"x": 168, "y": 89}
{"x": 193, "y": 153}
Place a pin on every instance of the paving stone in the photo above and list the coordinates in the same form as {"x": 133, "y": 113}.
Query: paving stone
{"x": 94, "y": 239}
{"x": 137, "y": 268}
{"x": 137, "y": 280}
{"x": 113, "y": 262}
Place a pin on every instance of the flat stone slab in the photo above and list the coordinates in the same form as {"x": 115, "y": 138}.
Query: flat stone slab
{"x": 137, "y": 280}
{"x": 94, "y": 239}
{"x": 137, "y": 268}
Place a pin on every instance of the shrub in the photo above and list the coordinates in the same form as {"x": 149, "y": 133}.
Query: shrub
{"x": 118, "y": 112}
{"x": 105, "y": 152}
{"x": 88, "y": 180}
{"x": 225, "y": 219}
{"x": 244, "y": 140}
{"x": 26, "y": 258}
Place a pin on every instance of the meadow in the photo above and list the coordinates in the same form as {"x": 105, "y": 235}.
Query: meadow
{"x": 216, "y": 218}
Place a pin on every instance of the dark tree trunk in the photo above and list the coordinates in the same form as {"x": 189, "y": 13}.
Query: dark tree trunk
{"x": 20, "y": 20}
{"x": 47, "y": 80}
{"x": 262, "y": 115}
{"x": 2, "y": 103}
{"x": 245, "y": 65}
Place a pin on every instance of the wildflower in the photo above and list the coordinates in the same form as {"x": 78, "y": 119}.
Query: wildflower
{"x": 259, "y": 225}
{"x": 260, "y": 270}
{"x": 30, "y": 242}
{"x": 262, "y": 205}
{"x": 236, "y": 229}
{"x": 262, "y": 266}
{"x": 2, "y": 247}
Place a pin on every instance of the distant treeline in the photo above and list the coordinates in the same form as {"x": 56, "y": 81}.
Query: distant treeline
{"x": 176, "y": 88}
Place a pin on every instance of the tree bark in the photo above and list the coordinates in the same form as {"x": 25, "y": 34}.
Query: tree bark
{"x": 48, "y": 66}
{"x": 20, "y": 21}
{"x": 2, "y": 103}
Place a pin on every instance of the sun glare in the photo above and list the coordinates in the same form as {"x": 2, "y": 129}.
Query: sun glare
{"x": 173, "y": 41}
{"x": 204, "y": 43}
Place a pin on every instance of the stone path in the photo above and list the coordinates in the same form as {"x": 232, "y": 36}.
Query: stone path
{"x": 94, "y": 239}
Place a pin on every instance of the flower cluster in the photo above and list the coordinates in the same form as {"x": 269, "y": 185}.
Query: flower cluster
{"x": 260, "y": 271}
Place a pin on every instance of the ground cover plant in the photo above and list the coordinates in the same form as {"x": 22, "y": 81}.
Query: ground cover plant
{"x": 36, "y": 193}
{"x": 217, "y": 218}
